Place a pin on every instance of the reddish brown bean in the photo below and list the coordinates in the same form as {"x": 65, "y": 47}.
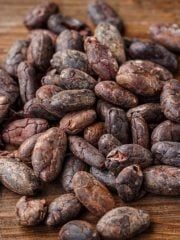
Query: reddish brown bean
{"x": 93, "y": 132}
{"x": 4, "y": 106}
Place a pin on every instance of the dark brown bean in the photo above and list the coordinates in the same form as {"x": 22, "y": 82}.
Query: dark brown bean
{"x": 28, "y": 82}
{"x": 30, "y": 212}
{"x": 166, "y": 131}
{"x": 108, "y": 35}
{"x": 40, "y": 51}
{"x": 48, "y": 154}
{"x": 71, "y": 78}
{"x": 18, "y": 177}
{"x": 113, "y": 93}
{"x": 123, "y": 223}
{"x": 52, "y": 77}
{"x": 47, "y": 91}
{"x": 86, "y": 152}
{"x": 102, "y": 108}
{"x": 63, "y": 209}
{"x": 155, "y": 53}
{"x": 4, "y": 106}
{"x": 142, "y": 77}
{"x": 151, "y": 112}
{"x": 15, "y": 56}
{"x": 93, "y": 132}
{"x": 140, "y": 131}
{"x": 129, "y": 182}
{"x": 36, "y": 32}
{"x": 100, "y": 11}
{"x": 8, "y": 87}
{"x": 100, "y": 59}
{"x": 108, "y": 142}
{"x": 162, "y": 180}
{"x": 73, "y": 23}
{"x": 55, "y": 23}
{"x": 92, "y": 194}
{"x": 117, "y": 124}
{"x": 75, "y": 122}
{"x": 18, "y": 131}
{"x": 38, "y": 16}
{"x": 69, "y": 39}
{"x": 170, "y": 100}
{"x": 105, "y": 177}
{"x": 72, "y": 165}
{"x": 167, "y": 153}
{"x": 78, "y": 230}
{"x": 127, "y": 155}
{"x": 166, "y": 34}
{"x": 70, "y": 59}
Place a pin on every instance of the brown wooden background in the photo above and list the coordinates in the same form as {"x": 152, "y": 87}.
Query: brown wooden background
{"x": 137, "y": 15}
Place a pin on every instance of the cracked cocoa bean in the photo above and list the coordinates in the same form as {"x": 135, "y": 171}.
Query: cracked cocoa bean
{"x": 86, "y": 152}
{"x": 123, "y": 223}
{"x": 107, "y": 142}
{"x": 72, "y": 165}
{"x": 63, "y": 209}
{"x": 30, "y": 212}
{"x": 167, "y": 153}
{"x": 93, "y": 132}
{"x": 16, "y": 54}
{"x": 113, "y": 93}
{"x": 92, "y": 194}
{"x": 18, "y": 177}
{"x": 4, "y": 106}
{"x": 48, "y": 154}
{"x": 162, "y": 180}
{"x": 127, "y": 155}
{"x": 166, "y": 34}
{"x": 170, "y": 100}
{"x": 75, "y": 122}
{"x": 100, "y": 59}
{"x": 78, "y": 230}
{"x": 102, "y": 108}
{"x": 143, "y": 77}
{"x": 129, "y": 182}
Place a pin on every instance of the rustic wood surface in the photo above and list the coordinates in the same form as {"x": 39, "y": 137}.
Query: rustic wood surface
{"x": 137, "y": 15}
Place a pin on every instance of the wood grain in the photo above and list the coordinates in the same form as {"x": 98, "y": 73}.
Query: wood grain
{"x": 137, "y": 15}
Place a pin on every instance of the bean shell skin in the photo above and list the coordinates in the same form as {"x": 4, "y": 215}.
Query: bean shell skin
{"x": 129, "y": 182}
{"x": 140, "y": 131}
{"x": 4, "y": 106}
{"x": 167, "y": 153}
{"x": 69, "y": 39}
{"x": 142, "y": 77}
{"x": 71, "y": 78}
{"x": 48, "y": 154}
{"x": 71, "y": 165}
{"x": 123, "y": 223}
{"x": 28, "y": 83}
{"x": 18, "y": 177}
{"x": 70, "y": 59}
{"x": 151, "y": 112}
{"x": 15, "y": 56}
{"x": 78, "y": 230}
{"x": 93, "y": 132}
{"x": 92, "y": 194}
{"x": 75, "y": 122}
{"x": 162, "y": 180}
{"x": 86, "y": 152}
{"x": 107, "y": 142}
{"x": 105, "y": 177}
{"x": 126, "y": 155}
{"x": 8, "y": 86}
{"x": 170, "y": 100}
{"x": 100, "y": 11}
{"x": 113, "y": 93}
{"x": 38, "y": 16}
{"x": 166, "y": 34}
{"x": 102, "y": 108}
{"x": 63, "y": 209}
{"x": 40, "y": 51}
{"x": 117, "y": 124}
{"x": 100, "y": 59}
{"x": 18, "y": 131}
{"x": 109, "y": 36}
{"x": 166, "y": 131}
{"x": 31, "y": 212}
{"x": 155, "y": 53}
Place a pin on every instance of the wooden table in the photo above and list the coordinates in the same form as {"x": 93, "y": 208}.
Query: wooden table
{"x": 137, "y": 15}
